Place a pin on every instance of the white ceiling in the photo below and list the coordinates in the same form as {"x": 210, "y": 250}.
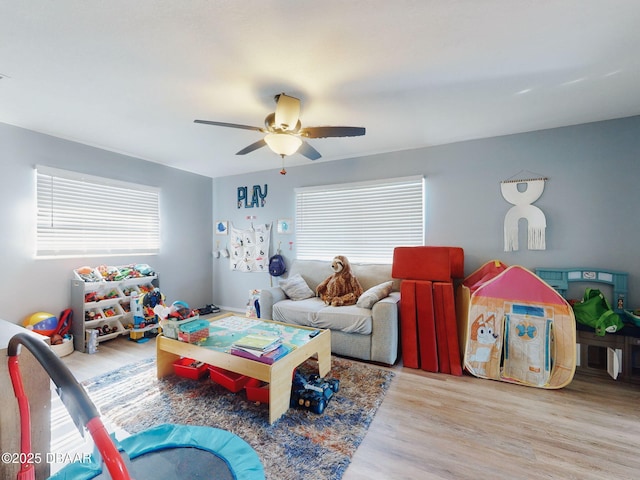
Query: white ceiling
{"x": 131, "y": 76}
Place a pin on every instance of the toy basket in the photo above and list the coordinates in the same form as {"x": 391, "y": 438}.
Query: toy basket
{"x": 65, "y": 348}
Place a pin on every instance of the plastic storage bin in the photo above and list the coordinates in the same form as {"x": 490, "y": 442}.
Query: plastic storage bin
{"x": 190, "y": 368}
{"x": 230, "y": 380}
{"x": 257, "y": 391}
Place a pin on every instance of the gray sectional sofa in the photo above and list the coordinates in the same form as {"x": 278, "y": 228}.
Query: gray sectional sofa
{"x": 368, "y": 331}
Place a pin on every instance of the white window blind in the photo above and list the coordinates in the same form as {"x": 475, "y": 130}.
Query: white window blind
{"x": 364, "y": 221}
{"x": 80, "y": 215}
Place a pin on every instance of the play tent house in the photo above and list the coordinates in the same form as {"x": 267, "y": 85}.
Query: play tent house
{"x": 516, "y": 328}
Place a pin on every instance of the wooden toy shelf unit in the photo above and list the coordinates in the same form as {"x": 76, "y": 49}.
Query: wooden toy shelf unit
{"x": 614, "y": 354}
{"x": 102, "y": 303}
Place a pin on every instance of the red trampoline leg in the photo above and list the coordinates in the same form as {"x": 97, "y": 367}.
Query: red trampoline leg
{"x": 27, "y": 469}
{"x": 110, "y": 454}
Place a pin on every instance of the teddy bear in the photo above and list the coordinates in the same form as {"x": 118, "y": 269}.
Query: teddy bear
{"x": 341, "y": 288}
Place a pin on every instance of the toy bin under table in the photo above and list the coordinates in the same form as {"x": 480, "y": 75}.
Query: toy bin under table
{"x": 230, "y": 380}
{"x": 190, "y": 368}
{"x": 257, "y": 391}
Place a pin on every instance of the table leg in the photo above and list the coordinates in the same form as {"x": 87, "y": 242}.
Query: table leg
{"x": 324, "y": 354}
{"x": 164, "y": 360}
{"x": 279, "y": 393}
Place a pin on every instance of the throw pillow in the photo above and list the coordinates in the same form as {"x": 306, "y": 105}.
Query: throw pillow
{"x": 296, "y": 288}
{"x": 369, "y": 298}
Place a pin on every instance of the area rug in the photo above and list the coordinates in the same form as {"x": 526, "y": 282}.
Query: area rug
{"x": 300, "y": 445}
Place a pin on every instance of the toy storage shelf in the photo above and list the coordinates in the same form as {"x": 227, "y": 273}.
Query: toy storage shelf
{"x": 597, "y": 355}
{"x": 99, "y": 304}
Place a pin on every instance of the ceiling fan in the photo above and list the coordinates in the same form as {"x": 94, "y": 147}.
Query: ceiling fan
{"x": 284, "y": 132}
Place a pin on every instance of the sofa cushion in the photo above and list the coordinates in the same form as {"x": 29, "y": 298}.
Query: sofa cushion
{"x": 369, "y": 298}
{"x": 297, "y": 312}
{"x": 369, "y": 275}
{"x": 349, "y": 319}
{"x": 313, "y": 312}
{"x": 296, "y": 288}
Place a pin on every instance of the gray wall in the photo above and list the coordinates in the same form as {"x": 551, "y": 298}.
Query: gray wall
{"x": 590, "y": 201}
{"x": 29, "y": 285}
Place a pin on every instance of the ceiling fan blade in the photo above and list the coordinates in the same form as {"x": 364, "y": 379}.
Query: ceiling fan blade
{"x": 308, "y": 151}
{"x": 231, "y": 125}
{"x": 287, "y": 112}
{"x": 254, "y": 146}
{"x": 323, "y": 132}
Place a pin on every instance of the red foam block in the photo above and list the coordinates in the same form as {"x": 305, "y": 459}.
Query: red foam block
{"x": 408, "y": 325}
{"x": 444, "y": 294}
{"x": 428, "y": 263}
{"x": 427, "y": 335}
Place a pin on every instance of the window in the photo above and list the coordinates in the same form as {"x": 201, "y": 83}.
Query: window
{"x": 81, "y": 215}
{"x": 364, "y": 221}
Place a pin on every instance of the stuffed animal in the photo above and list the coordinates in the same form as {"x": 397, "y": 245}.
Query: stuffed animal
{"x": 341, "y": 288}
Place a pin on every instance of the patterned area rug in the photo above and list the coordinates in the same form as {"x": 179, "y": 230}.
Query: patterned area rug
{"x": 300, "y": 445}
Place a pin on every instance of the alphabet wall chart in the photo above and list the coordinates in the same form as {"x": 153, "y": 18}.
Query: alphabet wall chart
{"x": 250, "y": 249}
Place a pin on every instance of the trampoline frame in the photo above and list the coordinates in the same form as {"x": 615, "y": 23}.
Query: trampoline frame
{"x": 238, "y": 455}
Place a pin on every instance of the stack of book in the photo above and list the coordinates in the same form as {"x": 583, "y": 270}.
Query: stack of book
{"x": 262, "y": 348}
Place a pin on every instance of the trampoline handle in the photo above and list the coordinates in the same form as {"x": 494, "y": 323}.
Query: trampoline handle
{"x": 75, "y": 398}
{"x": 109, "y": 452}
{"x": 80, "y": 406}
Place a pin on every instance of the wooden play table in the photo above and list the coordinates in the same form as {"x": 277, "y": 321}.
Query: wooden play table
{"x": 215, "y": 351}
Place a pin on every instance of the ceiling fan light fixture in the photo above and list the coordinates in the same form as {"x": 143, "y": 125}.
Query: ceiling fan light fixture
{"x": 283, "y": 143}
{"x": 287, "y": 112}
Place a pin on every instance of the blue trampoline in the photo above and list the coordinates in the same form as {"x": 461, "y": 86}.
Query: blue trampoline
{"x": 165, "y": 452}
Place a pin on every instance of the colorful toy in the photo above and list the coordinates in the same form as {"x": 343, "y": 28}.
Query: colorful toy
{"x": 143, "y": 269}
{"x": 110, "y": 273}
{"x": 312, "y": 392}
{"x": 135, "y": 307}
{"x": 145, "y": 317}
{"x": 42, "y": 322}
{"x": 180, "y": 310}
{"x": 88, "y": 274}
{"x": 145, "y": 288}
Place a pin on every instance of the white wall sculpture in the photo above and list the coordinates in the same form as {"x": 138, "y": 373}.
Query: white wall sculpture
{"x": 523, "y": 208}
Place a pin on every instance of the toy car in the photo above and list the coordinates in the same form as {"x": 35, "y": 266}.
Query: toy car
{"x": 312, "y": 392}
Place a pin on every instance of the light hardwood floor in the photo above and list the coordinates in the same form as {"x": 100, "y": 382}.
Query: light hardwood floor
{"x": 436, "y": 426}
